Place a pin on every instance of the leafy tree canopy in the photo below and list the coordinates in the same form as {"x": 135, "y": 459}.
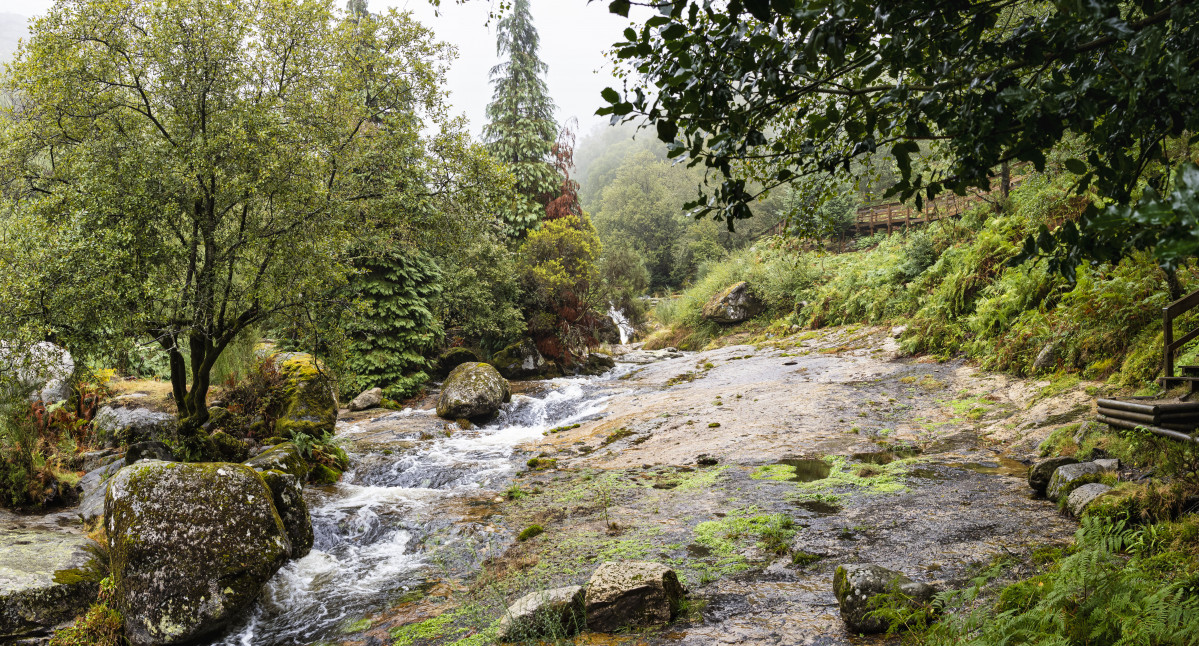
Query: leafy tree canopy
{"x": 177, "y": 171}
{"x": 774, "y": 91}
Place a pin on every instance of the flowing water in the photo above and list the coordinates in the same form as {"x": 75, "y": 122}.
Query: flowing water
{"x": 622, "y": 323}
{"x": 396, "y": 515}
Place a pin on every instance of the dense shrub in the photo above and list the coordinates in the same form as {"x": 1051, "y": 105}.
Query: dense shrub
{"x": 558, "y": 266}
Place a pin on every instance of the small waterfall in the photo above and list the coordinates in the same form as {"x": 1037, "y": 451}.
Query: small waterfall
{"x": 622, "y": 323}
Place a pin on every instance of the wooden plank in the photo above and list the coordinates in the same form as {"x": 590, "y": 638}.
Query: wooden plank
{"x": 1183, "y": 304}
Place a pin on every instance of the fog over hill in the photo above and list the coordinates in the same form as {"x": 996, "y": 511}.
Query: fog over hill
{"x": 12, "y": 29}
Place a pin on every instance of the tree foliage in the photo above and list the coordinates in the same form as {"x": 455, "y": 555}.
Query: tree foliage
{"x": 180, "y": 170}
{"x": 774, "y": 91}
{"x": 521, "y": 130}
{"x": 560, "y": 272}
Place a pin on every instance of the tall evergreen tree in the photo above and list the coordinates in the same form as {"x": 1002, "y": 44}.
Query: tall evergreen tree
{"x": 521, "y": 131}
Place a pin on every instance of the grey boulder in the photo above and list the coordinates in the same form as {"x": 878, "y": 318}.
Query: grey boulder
{"x": 41, "y": 582}
{"x": 520, "y": 361}
{"x": 43, "y": 370}
{"x": 95, "y": 486}
{"x": 190, "y": 547}
{"x": 1070, "y": 474}
{"x": 559, "y": 612}
{"x": 367, "y": 399}
{"x": 285, "y": 457}
{"x": 1041, "y": 472}
{"x": 1080, "y": 498}
{"x": 472, "y": 390}
{"x": 631, "y": 593}
{"x": 735, "y": 304}
{"x": 115, "y": 426}
{"x": 858, "y": 586}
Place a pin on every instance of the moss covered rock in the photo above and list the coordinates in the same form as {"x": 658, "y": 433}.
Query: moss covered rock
{"x": 41, "y": 583}
{"x": 285, "y": 457}
{"x": 309, "y": 407}
{"x": 520, "y": 361}
{"x": 861, "y": 589}
{"x": 229, "y": 448}
{"x": 472, "y": 390}
{"x": 190, "y": 545}
{"x": 631, "y": 593}
{"x": 735, "y": 304}
{"x": 288, "y": 494}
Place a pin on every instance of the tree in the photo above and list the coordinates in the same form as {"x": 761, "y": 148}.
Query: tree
{"x": 776, "y": 91}
{"x": 566, "y": 203}
{"x": 181, "y": 170}
{"x": 521, "y": 130}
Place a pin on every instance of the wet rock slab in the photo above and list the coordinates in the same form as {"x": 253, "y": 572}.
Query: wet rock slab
{"x": 41, "y": 584}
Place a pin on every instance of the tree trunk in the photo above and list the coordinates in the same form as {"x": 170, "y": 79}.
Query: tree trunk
{"x": 1174, "y": 285}
{"x": 1005, "y": 179}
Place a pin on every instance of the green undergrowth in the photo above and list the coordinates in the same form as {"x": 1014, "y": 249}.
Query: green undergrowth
{"x": 951, "y": 283}
{"x": 1117, "y": 584}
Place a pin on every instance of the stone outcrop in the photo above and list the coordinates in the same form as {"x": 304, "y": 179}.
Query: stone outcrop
{"x": 1040, "y": 473}
{"x": 367, "y": 399}
{"x": 43, "y": 370}
{"x": 310, "y": 406}
{"x": 472, "y": 390}
{"x": 735, "y": 304}
{"x": 857, "y": 586}
{"x": 597, "y": 363}
{"x": 94, "y": 486}
{"x": 190, "y": 545}
{"x": 631, "y": 593}
{"x": 41, "y": 580}
{"x": 552, "y": 613}
{"x": 642, "y": 357}
{"x": 520, "y": 361}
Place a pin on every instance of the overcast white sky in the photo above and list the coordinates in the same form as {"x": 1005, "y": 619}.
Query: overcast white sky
{"x": 574, "y": 36}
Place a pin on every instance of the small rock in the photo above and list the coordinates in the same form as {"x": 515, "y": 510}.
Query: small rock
{"x": 472, "y": 390}
{"x": 1078, "y": 499}
{"x": 1040, "y": 472}
{"x": 898, "y": 331}
{"x": 367, "y": 399}
{"x": 93, "y": 460}
{"x": 41, "y": 584}
{"x": 706, "y": 460}
{"x": 1109, "y": 464}
{"x": 856, "y": 585}
{"x": 597, "y": 363}
{"x": 553, "y": 613}
{"x": 1066, "y": 474}
{"x": 631, "y": 593}
{"x": 1046, "y": 358}
{"x": 149, "y": 450}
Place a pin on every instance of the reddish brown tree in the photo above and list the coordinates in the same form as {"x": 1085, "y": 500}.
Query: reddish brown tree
{"x": 566, "y": 202}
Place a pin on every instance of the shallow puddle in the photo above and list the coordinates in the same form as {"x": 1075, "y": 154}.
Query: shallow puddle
{"x": 808, "y": 470}
{"x": 819, "y": 507}
{"x": 1001, "y": 466}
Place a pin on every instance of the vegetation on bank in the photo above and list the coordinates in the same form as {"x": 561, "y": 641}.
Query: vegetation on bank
{"x": 954, "y": 287}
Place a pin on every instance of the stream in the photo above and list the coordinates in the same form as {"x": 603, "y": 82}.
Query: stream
{"x": 381, "y": 530}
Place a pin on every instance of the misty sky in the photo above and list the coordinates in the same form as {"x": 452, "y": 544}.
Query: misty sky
{"x": 574, "y": 37}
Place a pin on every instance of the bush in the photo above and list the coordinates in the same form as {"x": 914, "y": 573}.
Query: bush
{"x": 558, "y": 267}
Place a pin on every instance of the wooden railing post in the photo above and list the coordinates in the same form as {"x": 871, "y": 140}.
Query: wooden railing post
{"x": 1168, "y": 351}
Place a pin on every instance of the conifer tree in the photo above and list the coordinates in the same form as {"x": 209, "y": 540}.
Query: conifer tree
{"x": 521, "y": 131}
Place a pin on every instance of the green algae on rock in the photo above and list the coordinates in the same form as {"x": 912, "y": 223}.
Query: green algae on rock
{"x": 472, "y": 390}
{"x": 285, "y": 457}
{"x": 191, "y": 546}
{"x": 41, "y": 583}
{"x": 288, "y": 495}
{"x": 310, "y": 406}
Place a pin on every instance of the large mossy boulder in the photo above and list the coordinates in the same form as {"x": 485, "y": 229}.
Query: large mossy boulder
{"x": 1040, "y": 473}
{"x": 735, "y": 304}
{"x": 860, "y": 591}
{"x": 632, "y": 593}
{"x": 472, "y": 390}
{"x": 520, "y": 361}
{"x": 309, "y": 404}
{"x": 190, "y": 546}
{"x": 42, "y": 580}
